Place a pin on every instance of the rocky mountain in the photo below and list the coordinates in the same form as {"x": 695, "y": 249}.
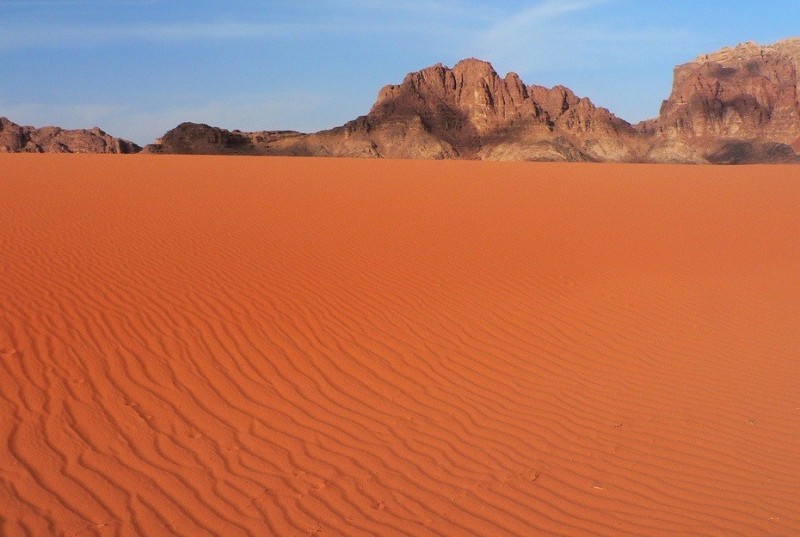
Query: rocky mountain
{"x": 468, "y": 111}
{"x": 738, "y": 105}
{"x": 474, "y": 113}
{"x": 18, "y": 139}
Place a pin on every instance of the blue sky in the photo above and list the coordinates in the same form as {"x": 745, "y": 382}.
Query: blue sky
{"x": 137, "y": 68}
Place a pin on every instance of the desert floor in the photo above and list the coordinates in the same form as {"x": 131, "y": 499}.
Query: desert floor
{"x": 217, "y": 346}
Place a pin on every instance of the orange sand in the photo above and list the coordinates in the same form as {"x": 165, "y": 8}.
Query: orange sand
{"x": 261, "y": 346}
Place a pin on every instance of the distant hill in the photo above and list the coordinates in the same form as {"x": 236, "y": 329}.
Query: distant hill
{"x": 18, "y": 139}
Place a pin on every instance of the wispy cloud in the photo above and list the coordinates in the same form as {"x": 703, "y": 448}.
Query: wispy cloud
{"x": 89, "y": 35}
{"x": 543, "y": 12}
{"x": 525, "y": 33}
{"x": 244, "y": 19}
{"x": 49, "y": 34}
{"x": 34, "y": 4}
{"x": 568, "y": 34}
{"x": 449, "y": 9}
{"x": 546, "y": 41}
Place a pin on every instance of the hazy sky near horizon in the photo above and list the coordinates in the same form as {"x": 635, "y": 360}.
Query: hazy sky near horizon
{"x": 137, "y": 68}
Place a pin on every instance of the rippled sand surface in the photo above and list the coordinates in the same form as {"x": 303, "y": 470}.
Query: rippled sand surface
{"x": 219, "y": 346}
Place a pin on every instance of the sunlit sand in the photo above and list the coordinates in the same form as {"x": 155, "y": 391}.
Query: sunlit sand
{"x": 271, "y": 346}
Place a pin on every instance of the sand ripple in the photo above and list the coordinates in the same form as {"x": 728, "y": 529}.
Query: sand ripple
{"x": 208, "y": 346}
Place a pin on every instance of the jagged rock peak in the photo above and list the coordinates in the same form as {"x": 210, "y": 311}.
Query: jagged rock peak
{"x": 474, "y": 67}
{"x": 472, "y": 97}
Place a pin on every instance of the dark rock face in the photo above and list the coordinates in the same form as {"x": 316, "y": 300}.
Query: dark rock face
{"x": 742, "y": 152}
{"x": 18, "y": 139}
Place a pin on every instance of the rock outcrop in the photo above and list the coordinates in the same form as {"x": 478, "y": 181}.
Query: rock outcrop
{"x": 468, "y": 111}
{"x": 479, "y": 114}
{"x": 19, "y": 139}
{"x": 740, "y": 104}
{"x": 199, "y": 138}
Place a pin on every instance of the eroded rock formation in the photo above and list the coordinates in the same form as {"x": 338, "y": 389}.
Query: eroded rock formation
{"x": 468, "y": 111}
{"x": 20, "y": 139}
{"x": 738, "y": 105}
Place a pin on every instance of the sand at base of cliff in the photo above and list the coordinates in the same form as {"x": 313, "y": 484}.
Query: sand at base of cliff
{"x": 208, "y": 346}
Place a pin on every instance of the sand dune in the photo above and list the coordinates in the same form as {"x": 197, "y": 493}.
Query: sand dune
{"x": 207, "y": 346}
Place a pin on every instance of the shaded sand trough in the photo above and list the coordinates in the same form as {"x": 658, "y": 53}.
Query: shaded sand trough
{"x": 235, "y": 346}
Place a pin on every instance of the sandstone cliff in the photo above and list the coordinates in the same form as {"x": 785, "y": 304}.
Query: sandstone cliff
{"x": 18, "y": 139}
{"x": 740, "y": 104}
{"x": 468, "y": 111}
{"x": 481, "y": 115}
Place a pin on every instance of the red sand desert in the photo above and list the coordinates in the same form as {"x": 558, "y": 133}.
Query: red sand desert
{"x": 205, "y": 346}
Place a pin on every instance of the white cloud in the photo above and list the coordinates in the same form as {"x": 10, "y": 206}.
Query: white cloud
{"x": 567, "y": 35}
